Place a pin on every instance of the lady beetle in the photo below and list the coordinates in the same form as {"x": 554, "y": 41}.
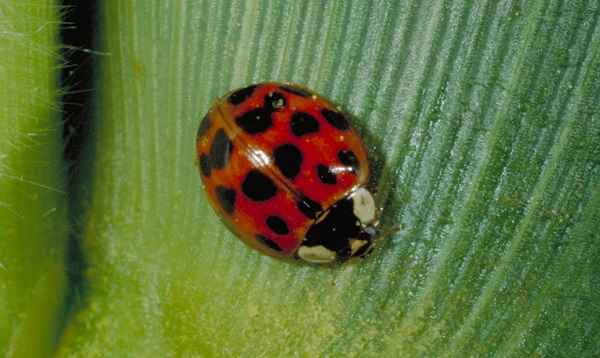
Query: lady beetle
{"x": 286, "y": 171}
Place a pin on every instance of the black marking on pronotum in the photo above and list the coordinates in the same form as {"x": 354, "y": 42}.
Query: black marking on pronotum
{"x": 297, "y": 91}
{"x": 226, "y": 198}
{"x": 309, "y": 207}
{"x": 241, "y": 95}
{"x": 336, "y": 227}
{"x": 288, "y": 159}
{"x": 220, "y": 150}
{"x": 258, "y": 187}
{"x": 277, "y": 225}
{"x": 336, "y": 119}
{"x": 268, "y": 242}
{"x": 303, "y": 123}
{"x": 205, "y": 165}
{"x": 326, "y": 176}
{"x": 348, "y": 158}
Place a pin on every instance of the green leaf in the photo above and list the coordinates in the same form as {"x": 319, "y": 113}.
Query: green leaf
{"x": 33, "y": 226}
{"x": 483, "y": 123}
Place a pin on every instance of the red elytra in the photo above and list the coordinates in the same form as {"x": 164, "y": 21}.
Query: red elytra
{"x": 285, "y": 171}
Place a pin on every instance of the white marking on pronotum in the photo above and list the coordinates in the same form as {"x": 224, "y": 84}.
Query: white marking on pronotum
{"x": 364, "y": 205}
{"x": 318, "y": 254}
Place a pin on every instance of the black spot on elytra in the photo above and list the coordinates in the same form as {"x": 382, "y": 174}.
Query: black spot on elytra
{"x": 258, "y": 187}
{"x": 205, "y": 165}
{"x": 296, "y": 90}
{"x": 336, "y": 119}
{"x": 241, "y": 95}
{"x": 277, "y": 225}
{"x": 274, "y": 101}
{"x": 288, "y": 159}
{"x": 309, "y": 207}
{"x": 348, "y": 158}
{"x": 260, "y": 119}
{"x": 326, "y": 175}
{"x": 220, "y": 150}
{"x": 226, "y": 198}
{"x": 268, "y": 242}
{"x": 303, "y": 123}
{"x": 204, "y": 126}
{"x": 255, "y": 120}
